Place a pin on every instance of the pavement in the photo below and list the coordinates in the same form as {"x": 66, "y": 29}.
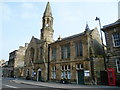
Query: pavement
{"x": 59, "y": 85}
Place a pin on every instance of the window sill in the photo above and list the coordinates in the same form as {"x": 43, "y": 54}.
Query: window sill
{"x": 116, "y": 46}
{"x": 65, "y": 59}
{"x": 78, "y": 57}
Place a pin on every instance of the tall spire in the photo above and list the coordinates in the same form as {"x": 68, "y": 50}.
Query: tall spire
{"x": 48, "y": 11}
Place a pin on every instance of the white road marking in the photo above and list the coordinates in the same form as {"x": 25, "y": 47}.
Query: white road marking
{"x": 9, "y": 86}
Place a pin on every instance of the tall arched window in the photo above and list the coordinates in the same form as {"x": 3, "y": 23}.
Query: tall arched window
{"x": 32, "y": 54}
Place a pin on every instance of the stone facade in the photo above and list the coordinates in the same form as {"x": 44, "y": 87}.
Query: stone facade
{"x": 2, "y": 63}
{"x": 112, "y": 35}
{"x": 5, "y": 70}
{"x": 19, "y": 61}
{"x": 12, "y": 57}
{"x": 36, "y": 56}
{"x": 77, "y": 56}
{"x": 46, "y": 59}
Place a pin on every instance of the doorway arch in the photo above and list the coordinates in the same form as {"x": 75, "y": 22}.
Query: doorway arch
{"x": 39, "y": 77}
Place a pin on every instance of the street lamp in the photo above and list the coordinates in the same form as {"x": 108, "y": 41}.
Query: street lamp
{"x": 98, "y": 19}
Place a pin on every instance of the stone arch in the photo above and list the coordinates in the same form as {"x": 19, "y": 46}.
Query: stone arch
{"x": 39, "y": 76}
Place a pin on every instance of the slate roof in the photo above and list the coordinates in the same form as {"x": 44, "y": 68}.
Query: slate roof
{"x": 71, "y": 37}
{"x": 111, "y": 25}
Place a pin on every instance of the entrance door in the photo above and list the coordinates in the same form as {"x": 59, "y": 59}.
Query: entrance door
{"x": 104, "y": 77}
{"x": 39, "y": 75}
{"x": 80, "y": 77}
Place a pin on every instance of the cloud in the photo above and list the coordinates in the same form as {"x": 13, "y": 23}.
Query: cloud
{"x": 5, "y": 11}
{"x": 29, "y": 11}
{"x": 70, "y": 14}
{"x": 59, "y": 0}
{"x": 29, "y": 6}
{"x": 29, "y": 15}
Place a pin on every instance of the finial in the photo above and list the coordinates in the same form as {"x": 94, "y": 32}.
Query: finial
{"x": 87, "y": 27}
{"x": 59, "y": 38}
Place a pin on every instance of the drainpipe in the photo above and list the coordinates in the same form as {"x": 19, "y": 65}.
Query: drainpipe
{"x": 48, "y": 61}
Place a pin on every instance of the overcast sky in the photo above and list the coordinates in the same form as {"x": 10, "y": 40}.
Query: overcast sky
{"x": 19, "y": 21}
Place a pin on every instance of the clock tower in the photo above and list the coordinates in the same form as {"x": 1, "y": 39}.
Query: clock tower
{"x": 47, "y": 26}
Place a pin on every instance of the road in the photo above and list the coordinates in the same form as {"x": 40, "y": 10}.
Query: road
{"x": 9, "y": 84}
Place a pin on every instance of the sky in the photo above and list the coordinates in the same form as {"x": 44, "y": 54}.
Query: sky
{"x": 22, "y": 19}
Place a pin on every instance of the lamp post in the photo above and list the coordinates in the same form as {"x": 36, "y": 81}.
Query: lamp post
{"x": 98, "y": 19}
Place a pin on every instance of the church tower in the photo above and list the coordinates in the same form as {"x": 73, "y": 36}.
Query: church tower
{"x": 47, "y": 27}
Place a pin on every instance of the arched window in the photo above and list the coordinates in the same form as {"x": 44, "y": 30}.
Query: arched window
{"x": 47, "y": 20}
{"x": 32, "y": 54}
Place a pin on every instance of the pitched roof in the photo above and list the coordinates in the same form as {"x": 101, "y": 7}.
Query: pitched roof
{"x": 111, "y": 25}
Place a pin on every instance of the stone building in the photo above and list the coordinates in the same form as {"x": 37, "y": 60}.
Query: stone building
{"x": 77, "y": 59}
{"x": 112, "y": 35}
{"x": 19, "y": 61}
{"x": 12, "y": 57}
{"x": 36, "y": 55}
{"x": 5, "y": 70}
{"x": 2, "y": 63}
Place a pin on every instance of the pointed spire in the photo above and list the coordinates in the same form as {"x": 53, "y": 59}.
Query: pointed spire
{"x": 48, "y": 11}
{"x": 87, "y": 27}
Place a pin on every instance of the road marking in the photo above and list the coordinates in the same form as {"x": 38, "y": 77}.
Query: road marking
{"x": 10, "y": 86}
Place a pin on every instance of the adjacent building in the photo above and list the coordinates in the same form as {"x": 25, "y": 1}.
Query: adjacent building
{"x": 112, "y": 35}
{"x": 2, "y": 63}
{"x": 19, "y": 61}
{"x": 12, "y": 57}
{"x": 5, "y": 70}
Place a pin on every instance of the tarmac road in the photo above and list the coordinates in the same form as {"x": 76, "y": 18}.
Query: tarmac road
{"x": 9, "y": 84}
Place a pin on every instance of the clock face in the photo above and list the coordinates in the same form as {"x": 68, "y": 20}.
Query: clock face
{"x": 47, "y": 25}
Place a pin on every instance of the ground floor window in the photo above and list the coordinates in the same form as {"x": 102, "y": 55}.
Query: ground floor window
{"x": 118, "y": 64}
{"x": 65, "y": 72}
{"x": 53, "y": 69}
{"x": 79, "y": 66}
{"x": 66, "y": 75}
{"x": 27, "y": 72}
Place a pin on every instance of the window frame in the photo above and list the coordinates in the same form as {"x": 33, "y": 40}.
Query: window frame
{"x": 78, "y": 49}
{"x": 53, "y": 72}
{"x": 65, "y": 51}
{"x": 114, "y": 40}
{"x": 54, "y": 54}
{"x": 118, "y": 65}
